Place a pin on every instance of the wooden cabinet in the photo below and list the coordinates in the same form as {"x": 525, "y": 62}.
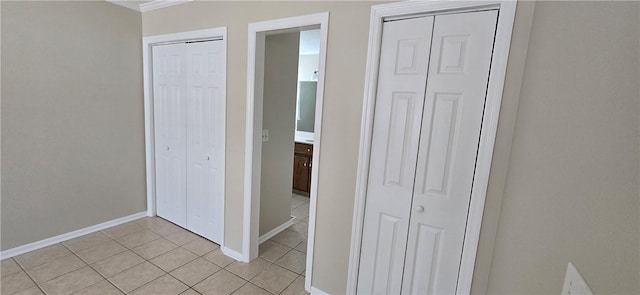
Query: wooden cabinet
{"x": 303, "y": 154}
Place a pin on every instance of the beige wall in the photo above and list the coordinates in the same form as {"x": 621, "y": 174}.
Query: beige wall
{"x": 72, "y": 117}
{"x": 571, "y": 180}
{"x": 572, "y": 186}
{"x": 279, "y": 113}
{"x": 346, "y": 59}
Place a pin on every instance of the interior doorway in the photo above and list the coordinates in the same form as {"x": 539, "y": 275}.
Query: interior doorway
{"x": 265, "y": 108}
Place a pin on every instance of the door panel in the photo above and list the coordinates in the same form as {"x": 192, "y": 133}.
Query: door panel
{"x": 205, "y": 142}
{"x": 398, "y": 111}
{"x": 452, "y": 118}
{"x": 170, "y": 138}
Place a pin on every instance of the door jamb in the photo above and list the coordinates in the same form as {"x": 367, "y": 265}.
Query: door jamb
{"x": 219, "y": 33}
{"x": 489, "y": 123}
{"x": 253, "y": 144}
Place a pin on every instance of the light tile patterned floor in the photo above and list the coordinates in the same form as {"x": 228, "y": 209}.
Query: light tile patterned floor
{"x": 153, "y": 256}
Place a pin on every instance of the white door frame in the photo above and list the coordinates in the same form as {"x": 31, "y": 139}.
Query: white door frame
{"x": 379, "y": 13}
{"x": 253, "y": 146}
{"x": 147, "y": 63}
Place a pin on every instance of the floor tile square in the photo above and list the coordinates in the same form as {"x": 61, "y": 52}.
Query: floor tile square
{"x": 288, "y": 238}
{"x": 165, "y": 228}
{"x": 101, "y": 251}
{"x": 297, "y": 200}
{"x": 296, "y": 288}
{"x": 117, "y": 263}
{"x": 195, "y": 271}
{"x": 222, "y": 282}
{"x": 217, "y": 257}
{"x": 163, "y": 285}
{"x": 181, "y": 237}
{"x": 122, "y": 230}
{"x": 72, "y": 282}
{"x": 190, "y": 292}
{"x": 55, "y": 268}
{"x": 9, "y": 266}
{"x": 136, "y": 276}
{"x": 101, "y": 288}
{"x": 40, "y": 256}
{"x": 302, "y": 247}
{"x": 272, "y": 251}
{"x": 30, "y": 291}
{"x": 294, "y": 260}
{"x": 300, "y": 212}
{"x": 251, "y": 289}
{"x": 248, "y": 270}
{"x": 301, "y": 227}
{"x": 86, "y": 241}
{"x": 173, "y": 259}
{"x": 154, "y": 248}
{"x": 201, "y": 246}
{"x": 274, "y": 279}
{"x": 138, "y": 238}
{"x": 16, "y": 282}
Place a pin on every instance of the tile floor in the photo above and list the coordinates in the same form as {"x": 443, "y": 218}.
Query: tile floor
{"x": 153, "y": 256}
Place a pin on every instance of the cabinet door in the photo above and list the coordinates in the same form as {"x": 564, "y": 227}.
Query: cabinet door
{"x": 454, "y": 104}
{"x": 301, "y": 172}
{"x": 205, "y": 139}
{"x": 394, "y": 148}
{"x": 169, "y": 131}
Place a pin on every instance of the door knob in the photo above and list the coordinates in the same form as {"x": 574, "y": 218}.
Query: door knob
{"x": 167, "y": 147}
{"x": 208, "y": 158}
{"x": 420, "y": 209}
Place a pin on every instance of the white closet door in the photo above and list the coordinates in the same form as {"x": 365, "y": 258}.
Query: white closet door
{"x": 169, "y": 92}
{"x": 398, "y": 111}
{"x": 205, "y": 141}
{"x": 454, "y": 104}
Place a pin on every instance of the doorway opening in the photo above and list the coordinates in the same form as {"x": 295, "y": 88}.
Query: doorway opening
{"x": 284, "y": 117}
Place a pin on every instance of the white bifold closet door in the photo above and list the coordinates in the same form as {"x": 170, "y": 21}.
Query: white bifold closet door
{"x": 189, "y": 136}
{"x": 432, "y": 85}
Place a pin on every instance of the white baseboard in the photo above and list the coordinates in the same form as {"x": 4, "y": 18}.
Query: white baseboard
{"x": 316, "y": 291}
{"x": 276, "y": 230}
{"x": 70, "y": 235}
{"x": 233, "y": 254}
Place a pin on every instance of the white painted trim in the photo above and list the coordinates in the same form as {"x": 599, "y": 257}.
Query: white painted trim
{"x": 272, "y": 233}
{"x": 147, "y": 43}
{"x": 251, "y": 196}
{"x": 68, "y": 236}
{"x": 489, "y": 125}
{"x": 316, "y": 291}
{"x": 158, "y": 4}
{"x": 126, "y": 4}
{"x": 231, "y": 253}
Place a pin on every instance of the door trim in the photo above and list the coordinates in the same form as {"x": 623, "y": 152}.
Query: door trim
{"x": 253, "y": 144}
{"x": 380, "y": 13}
{"x": 147, "y": 63}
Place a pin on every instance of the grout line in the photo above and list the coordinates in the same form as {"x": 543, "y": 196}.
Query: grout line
{"x": 89, "y": 265}
{"x": 28, "y": 275}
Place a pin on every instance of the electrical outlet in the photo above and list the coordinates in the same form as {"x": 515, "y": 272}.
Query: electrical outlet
{"x": 265, "y": 135}
{"x": 574, "y": 284}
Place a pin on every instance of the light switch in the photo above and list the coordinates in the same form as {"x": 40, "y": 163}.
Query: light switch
{"x": 265, "y": 135}
{"x": 574, "y": 284}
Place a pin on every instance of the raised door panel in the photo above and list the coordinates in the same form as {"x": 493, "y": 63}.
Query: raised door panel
{"x": 396, "y": 129}
{"x": 205, "y": 141}
{"x": 450, "y": 133}
{"x": 169, "y": 131}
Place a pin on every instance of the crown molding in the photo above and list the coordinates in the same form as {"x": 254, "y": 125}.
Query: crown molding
{"x": 149, "y": 6}
{"x": 157, "y": 4}
{"x": 127, "y": 4}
